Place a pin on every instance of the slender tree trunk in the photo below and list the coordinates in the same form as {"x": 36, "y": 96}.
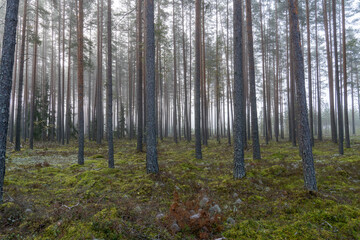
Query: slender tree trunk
{"x": 352, "y": 102}
{"x": 6, "y": 72}
{"x": 330, "y": 75}
{"x": 186, "y": 120}
{"x": 198, "y": 152}
{"x": 32, "y": 104}
{"x": 276, "y": 79}
{"x": 175, "y": 80}
{"x": 109, "y": 93}
{"x": 68, "y": 93}
{"x": 239, "y": 165}
{"x": 309, "y": 73}
{"x": 151, "y": 150}
{"x": 263, "y": 76}
{"x": 21, "y": 79}
{"x": 228, "y": 89}
{"x": 318, "y": 80}
{"x": 80, "y": 60}
{"x": 217, "y": 82}
{"x": 304, "y": 129}
{"x": 337, "y": 84}
{"x": 139, "y": 76}
{"x": 347, "y": 130}
{"x": 12, "y": 111}
{"x": 254, "y": 119}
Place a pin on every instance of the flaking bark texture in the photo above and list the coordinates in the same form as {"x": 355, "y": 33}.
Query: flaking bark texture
{"x": 6, "y": 72}
{"x": 151, "y": 149}
{"x": 239, "y": 166}
{"x": 303, "y": 122}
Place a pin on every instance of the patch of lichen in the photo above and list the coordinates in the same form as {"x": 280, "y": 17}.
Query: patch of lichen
{"x": 49, "y": 196}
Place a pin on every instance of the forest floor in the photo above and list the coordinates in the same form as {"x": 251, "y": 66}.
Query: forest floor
{"x": 49, "y": 196}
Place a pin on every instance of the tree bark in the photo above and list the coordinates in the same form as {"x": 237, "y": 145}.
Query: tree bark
{"x": 303, "y": 121}
{"x": 239, "y": 165}
{"x": 254, "y": 119}
{"x": 6, "y": 72}
{"x": 21, "y": 79}
{"x": 309, "y": 73}
{"x": 198, "y": 152}
{"x": 80, "y": 61}
{"x": 151, "y": 150}
{"x": 337, "y": 84}
{"x": 109, "y": 93}
{"x": 347, "y": 130}
{"x": 33, "y": 87}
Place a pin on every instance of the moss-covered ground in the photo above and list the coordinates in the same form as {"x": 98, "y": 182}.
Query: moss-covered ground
{"x": 49, "y": 196}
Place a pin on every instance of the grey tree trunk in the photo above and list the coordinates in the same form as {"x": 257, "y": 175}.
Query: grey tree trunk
{"x": 175, "y": 81}
{"x": 198, "y": 152}
{"x": 254, "y": 119}
{"x": 347, "y": 130}
{"x": 337, "y": 84}
{"x": 33, "y": 87}
{"x": 139, "y": 76}
{"x": 330, "y": 74}
{"x": 239, "y": 123}
{"x": 80, "y": 56}
{"x": 151, "y": 151}
{"x": 303, "y": 121}
{"x": 109, "y": 93}
{"x": 309, "y": 73}
{"x": 21, "y": 80}
{"x": 6, "y": 72}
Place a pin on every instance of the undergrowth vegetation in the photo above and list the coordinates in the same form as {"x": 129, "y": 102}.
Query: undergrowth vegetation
{"x": 49, "y": 196}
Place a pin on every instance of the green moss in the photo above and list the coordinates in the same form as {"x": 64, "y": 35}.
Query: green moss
{"x": 276, "y": 170}
{"x": 71, "y": 201}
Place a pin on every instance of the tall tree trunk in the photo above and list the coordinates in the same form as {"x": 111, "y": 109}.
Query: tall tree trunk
{"x": 228, "y": 87}
{"x": 217, "y": 82}
{"x": 198, "y": 152}
{"x": 318, "y": 80}
{"x": 309, "y": 73}
{"x": 337, "y": 83}
{"x": 254, "y": 119}
{"x": 151, "y": 151}
{"x": 6, "y": 72}
{"x": 59, "y": 101}
{"x": 352, "y": 101}
{"x": 21, "y": 79}
{"x": 33, "y": 87}
{"x": 109, "y": 93}
{"x": 330, "y": 75}
{"x": 239, "y": 165}
{"x": 12, "y": 111}
{"x": 175, "y": 80}
{"x": 186, "y": 119}
{"x": 347, "y": 131}
{"x": 277, "y": 72}
{"x": 68, "y": 92}
{"x": 80, "y": 62}
{"x": 63, "y": 79}
{"x": 139, "y": 76}
{"x": 263, "y": 76}
{"x": 303, "y": 126}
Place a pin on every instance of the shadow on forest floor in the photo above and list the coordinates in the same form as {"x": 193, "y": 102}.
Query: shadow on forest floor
{"x": 49, "y": 196}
